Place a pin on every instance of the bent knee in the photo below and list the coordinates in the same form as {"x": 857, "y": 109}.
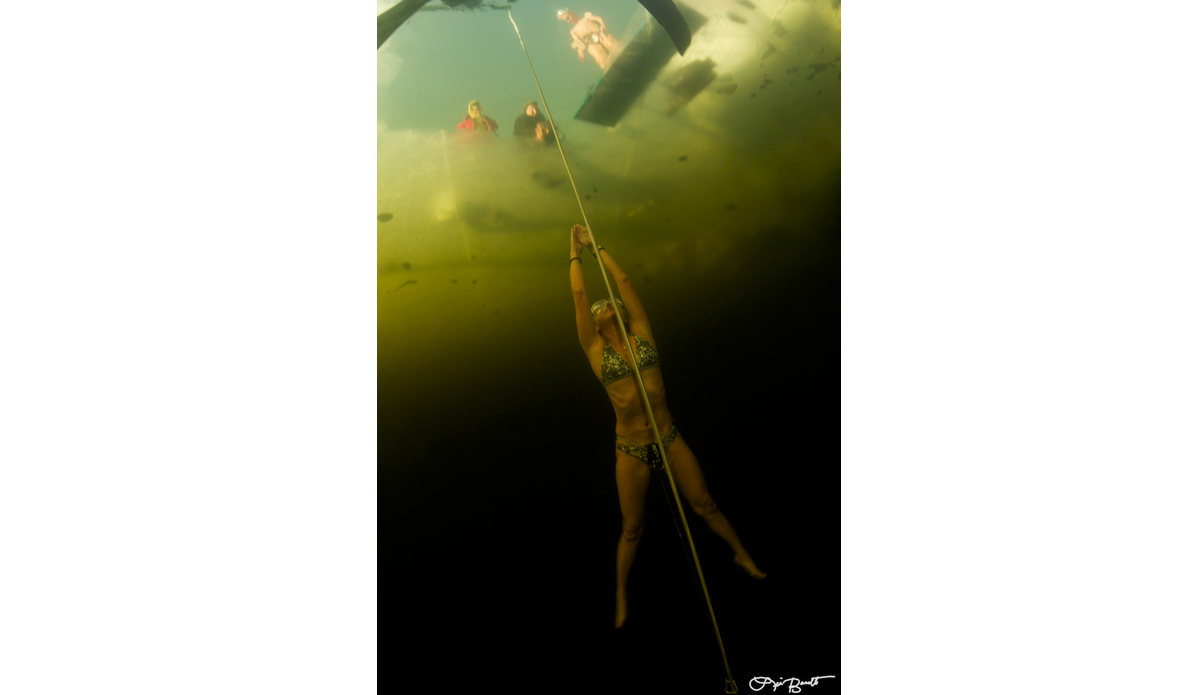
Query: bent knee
{"x": 705, "y": 506}
{"x": 632, "y": 532}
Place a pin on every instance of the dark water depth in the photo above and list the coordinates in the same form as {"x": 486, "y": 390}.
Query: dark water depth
{"x": 497, "y": 496}
{"x": 499, "y": 517}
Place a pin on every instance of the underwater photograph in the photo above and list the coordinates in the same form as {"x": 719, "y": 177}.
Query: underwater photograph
{"x": 622, "y": 411}
{"x": 700, "y": 143}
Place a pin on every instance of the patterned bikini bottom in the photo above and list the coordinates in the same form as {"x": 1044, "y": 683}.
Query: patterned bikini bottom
{"x": 647, "y": 454}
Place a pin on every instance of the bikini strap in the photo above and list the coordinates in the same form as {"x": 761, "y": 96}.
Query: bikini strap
{"x": 668, "y": 437}
{"x": 628, "y": 442}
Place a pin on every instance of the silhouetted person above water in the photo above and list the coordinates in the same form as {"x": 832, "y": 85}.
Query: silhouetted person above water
{"x": 590, "y": 34}
{"x": 636, "y": 451}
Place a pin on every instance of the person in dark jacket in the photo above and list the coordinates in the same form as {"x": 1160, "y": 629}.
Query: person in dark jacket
{"x": 532, "y": 124}
{"x": 475, "y": 120}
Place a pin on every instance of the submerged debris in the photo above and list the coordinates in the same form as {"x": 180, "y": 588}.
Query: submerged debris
{"x": 770, "y": 50}
{"x": 731, "y": 206}
{"x": 547, "y": 180}
{"x": 389, "y": 267}
{"x": 474, "y": 281}
{"x": 735, "y": 18}
{"x": 406, "y": 265}
{"x": 483, "y": 217}
{"x": 384, "y": 216}
{"x": 777, "y": 28}
{"x": 683, "y": 158}
{"x": 454, "y": 282}
{"x": 746, "y": 3}
{"x": 406, "y": 284}
{"x": 817, "y": 68}
{"x": 725, "y": 89}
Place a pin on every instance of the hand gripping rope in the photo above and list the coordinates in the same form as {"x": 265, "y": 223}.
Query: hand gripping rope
{"x": 730, "y": 683}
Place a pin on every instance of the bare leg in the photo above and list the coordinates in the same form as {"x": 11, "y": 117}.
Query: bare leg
{"x": 633, "y": 477}
{"x": 691, "y": 484}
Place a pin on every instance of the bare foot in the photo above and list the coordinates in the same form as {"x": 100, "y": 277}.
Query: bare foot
{"x": 747, "y": 564}
{"x": 621, "y": 608}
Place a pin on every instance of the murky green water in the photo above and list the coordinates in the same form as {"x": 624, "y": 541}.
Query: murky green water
{"x": 497, "y": 499}
{"x": 476, "y": 247}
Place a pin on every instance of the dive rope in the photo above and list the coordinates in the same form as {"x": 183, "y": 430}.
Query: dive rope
{"x": 730, "y": 683}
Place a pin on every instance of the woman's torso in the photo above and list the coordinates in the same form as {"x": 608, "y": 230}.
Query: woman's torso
{"x": 611, "y": 363}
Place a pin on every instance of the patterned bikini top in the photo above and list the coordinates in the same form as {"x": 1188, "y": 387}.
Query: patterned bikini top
{"x": 614, "y": 368}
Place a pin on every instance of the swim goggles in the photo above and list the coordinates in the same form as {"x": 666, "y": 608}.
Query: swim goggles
{"x": 600, "y": 305}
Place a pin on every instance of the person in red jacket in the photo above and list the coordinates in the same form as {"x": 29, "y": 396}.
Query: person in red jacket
{"x": 475, "y": 120}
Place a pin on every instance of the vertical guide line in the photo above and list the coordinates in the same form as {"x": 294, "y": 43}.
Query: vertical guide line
{"x": 730, "y": 683}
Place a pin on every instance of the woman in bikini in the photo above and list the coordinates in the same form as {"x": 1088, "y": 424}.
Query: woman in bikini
{"x": 636, "y": 452}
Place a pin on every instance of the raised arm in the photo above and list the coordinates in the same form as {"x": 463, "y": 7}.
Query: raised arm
{"x": 583, "y": 306}
{"x": 603, "y": 29}
{"x": 639, "y": 322}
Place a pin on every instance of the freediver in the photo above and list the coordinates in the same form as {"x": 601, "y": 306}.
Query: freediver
{"x": 475, "y": 120}
{"x": 591, "y": 35}
{"x": 600, "y": 337}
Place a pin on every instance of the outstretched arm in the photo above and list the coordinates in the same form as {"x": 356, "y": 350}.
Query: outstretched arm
{"x": 583, "y": 305}
{"x": 639, "y": 322}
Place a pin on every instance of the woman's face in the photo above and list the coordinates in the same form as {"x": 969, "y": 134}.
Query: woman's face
{"x": 607, "y": 315}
